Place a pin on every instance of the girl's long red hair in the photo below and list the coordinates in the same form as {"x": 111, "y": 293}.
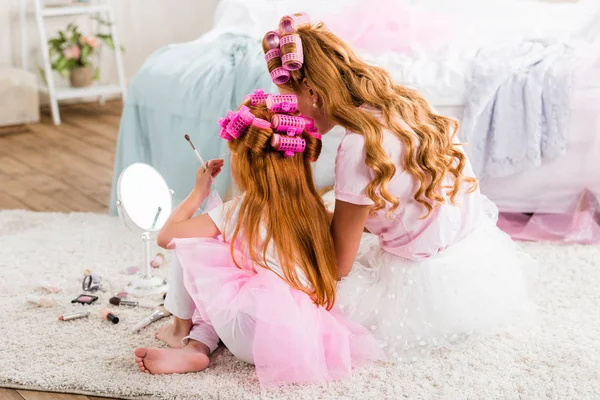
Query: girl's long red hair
{"x": 281, "y": 205}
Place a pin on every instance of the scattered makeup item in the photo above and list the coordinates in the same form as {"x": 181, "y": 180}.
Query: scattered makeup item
{"x": 92, "y": 281}
{"x": 108, "y": 315}
{"x": 132, "y": 270}
{"x": 41, "y": 301}
{"x": 157, "y": 314}
{"x": 122, "y": 295}
{"x": 77, "y": 315}
{"x": 117, "y": 301}
{"x": 157, "y": 260}
{"x": 85, "y": 299}
{"x": 49, "y": 287}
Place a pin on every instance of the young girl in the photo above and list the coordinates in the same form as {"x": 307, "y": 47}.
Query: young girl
{"x": 434, "y": 267}
{"x": 266, "y": 290}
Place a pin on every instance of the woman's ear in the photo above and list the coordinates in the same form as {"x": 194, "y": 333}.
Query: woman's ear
{"x": 310, "y": 91}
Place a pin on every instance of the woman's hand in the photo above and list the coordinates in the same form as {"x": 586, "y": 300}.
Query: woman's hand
{"x": 204, "y": 176}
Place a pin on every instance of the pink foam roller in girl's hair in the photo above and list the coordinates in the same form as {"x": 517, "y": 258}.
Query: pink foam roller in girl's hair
{"x": 288, "y": 124}
{"x": 290, "y": 23}
{"x": 311, "y": 128}
{"x": 261, "y": 123}
{"x": 292, "y": 61}
{"x": 288, "y": 145}
{"x": 240, "y": 122}
{"x": 258, "y": 97}
{"x": 282, "y": 103}
{"x": 223, "y": 122}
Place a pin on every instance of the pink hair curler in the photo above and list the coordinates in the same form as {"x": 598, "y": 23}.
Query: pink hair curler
{"x": 240, "y": 122}
{"x": 311, "y": 129}
{"x": 282, "y": 102}
{"x": 261, "y": 123}
{"x": 271, "y": 54}
{"x": 223, "y": 122}
{"x": 309, "y": 122}
{"x": 292, "y": 61}
{"x": 288, "y": 124}
{"x": 290, "y": 23}
{"x": 288, "y": 145}
{"x": 272, "y": 39}
{"x": 258, "y": 97}
{"x": 280, "y": 76}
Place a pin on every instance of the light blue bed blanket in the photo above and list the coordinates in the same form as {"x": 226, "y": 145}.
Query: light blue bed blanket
{"x": 187, "y": 88}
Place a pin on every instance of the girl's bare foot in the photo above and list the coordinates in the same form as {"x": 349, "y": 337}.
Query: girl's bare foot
{"x": 173, "y": 333}
{"x": 192, "y": 358}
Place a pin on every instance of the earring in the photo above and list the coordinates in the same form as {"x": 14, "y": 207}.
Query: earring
{"x": 314, "y": 105}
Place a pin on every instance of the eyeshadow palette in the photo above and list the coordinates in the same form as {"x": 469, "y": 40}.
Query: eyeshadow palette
{"x": 85, "y": 299}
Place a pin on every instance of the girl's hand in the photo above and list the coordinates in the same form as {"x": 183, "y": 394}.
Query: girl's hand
{"x": 204, "y": 176}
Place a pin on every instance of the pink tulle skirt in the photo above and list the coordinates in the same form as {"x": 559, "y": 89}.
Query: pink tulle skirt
{"x": 262, "y": 320}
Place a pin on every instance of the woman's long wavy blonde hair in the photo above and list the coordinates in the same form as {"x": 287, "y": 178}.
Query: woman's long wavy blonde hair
{"x": 281, "y": 204}
{"x": 344, "y": 83}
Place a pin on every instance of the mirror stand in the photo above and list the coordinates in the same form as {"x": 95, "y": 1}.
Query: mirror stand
{"x": 146, "y": 284}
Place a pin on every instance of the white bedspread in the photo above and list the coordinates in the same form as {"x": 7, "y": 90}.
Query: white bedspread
{"x": 441, "y": 72}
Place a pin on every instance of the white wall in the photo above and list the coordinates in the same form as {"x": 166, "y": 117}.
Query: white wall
{"x": 144, "y": 26}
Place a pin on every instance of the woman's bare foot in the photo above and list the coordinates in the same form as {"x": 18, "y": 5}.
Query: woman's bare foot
{"x": 192, "y": 358}
{"x": 173, "y": 333}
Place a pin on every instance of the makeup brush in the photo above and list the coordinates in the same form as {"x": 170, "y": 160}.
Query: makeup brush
{"x": 117, "y": 301}
{"x": 214, "y": 198}
{"x": 108, "y": 315}
{"x": 157, "y": 314}
{"x": 187, "y": 137}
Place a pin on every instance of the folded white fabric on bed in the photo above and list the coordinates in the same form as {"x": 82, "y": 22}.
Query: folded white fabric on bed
{"x": 517, "y": 106}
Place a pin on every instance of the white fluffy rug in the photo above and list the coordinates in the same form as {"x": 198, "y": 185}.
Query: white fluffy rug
{"x": 559, "y": 360}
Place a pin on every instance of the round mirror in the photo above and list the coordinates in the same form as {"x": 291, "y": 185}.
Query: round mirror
{"x": 144, "y": 197}
{"x": 144, "y": 202}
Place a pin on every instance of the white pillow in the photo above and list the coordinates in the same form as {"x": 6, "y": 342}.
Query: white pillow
{"x": 256, "y": 17}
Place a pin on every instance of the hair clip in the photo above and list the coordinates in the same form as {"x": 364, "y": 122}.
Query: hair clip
{"x": 288, "y": 145}
{"x": 292, "y": 61}
{"x": 272, "y": 39}
{"x": 258, "y": 97}
{"x": 290, "y": 23}
{"x": 288, "y": 124}
{"x": 261, "y": 123}
{"x": 282, "y": 102}
{"x": 240, "y": 122}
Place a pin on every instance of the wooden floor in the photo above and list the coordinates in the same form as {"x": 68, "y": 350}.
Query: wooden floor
{"x": 60, "y": 168}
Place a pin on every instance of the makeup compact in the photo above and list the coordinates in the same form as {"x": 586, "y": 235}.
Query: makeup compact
{"x": 85, "y": 299}
{"x": 92, "y": 281}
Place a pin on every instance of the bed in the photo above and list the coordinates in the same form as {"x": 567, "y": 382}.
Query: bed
{"x": 185, "y": 88}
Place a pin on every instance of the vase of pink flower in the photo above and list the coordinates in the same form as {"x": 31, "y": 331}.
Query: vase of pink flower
{"x": 71, "y": 55}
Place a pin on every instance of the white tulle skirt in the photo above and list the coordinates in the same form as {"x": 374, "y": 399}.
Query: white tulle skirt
{"x": 478, "y": 286}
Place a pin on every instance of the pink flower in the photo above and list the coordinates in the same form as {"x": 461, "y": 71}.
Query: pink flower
{"x": 91, "y": 41}
{"x": 72, "y": 52}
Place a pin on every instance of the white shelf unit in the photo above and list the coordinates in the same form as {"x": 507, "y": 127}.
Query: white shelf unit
{"x": 101, "y": 7}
